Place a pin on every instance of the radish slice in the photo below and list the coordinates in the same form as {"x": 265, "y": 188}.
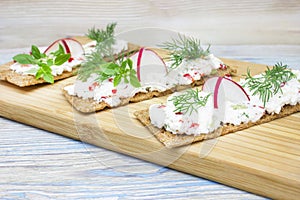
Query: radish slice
{"x": 149, "y": 65}
{"x": 70, "y": 45}
{"x": 225, "y": 89}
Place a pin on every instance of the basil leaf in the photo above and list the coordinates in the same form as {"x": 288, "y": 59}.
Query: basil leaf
{"x": 48, "y": 77}
{"x": 49, "y": 62}
{"x": 130, "y": 63}
{"x": 39, "y": 73}
{"x": 59, "y": 51}
{"x": 117, "y": 80}
{"x": 134, "y": 81}
{"x": 61, "y": 59}
{"x": 35, "y": 52}
{"x": 24, "y": 59}
{"x": 45, "y": 72}
{"x": 123, "y": 64}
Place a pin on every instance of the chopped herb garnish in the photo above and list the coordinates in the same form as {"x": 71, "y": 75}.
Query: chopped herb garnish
{"x": 184, "y": 48}
{"x": 239, "y": 106}
{"x": 245, "y": 114}
{"x": 189, "y": 101}
{"x": 105, "y": 39}
{"x": 121, "y": 69}
{"x": 44, "y": 61}
{"x": 95, "y": 63}
{"x": 270, "y": 82}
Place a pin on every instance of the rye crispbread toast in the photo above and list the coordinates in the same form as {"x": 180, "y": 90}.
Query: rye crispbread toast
{"x": 21, "y": 80}
{"x": 171, "y": 140}
{"x": 90, "y": 105}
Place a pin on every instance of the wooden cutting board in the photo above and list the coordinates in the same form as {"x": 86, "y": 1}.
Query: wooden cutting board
{"x": 264, "y": 159}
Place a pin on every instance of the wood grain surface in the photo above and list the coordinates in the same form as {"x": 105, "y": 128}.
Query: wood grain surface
{"x": 23, "y": 23}
{"x": 262, "y": 160}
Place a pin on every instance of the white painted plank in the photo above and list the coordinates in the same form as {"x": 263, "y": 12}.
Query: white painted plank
{"x": 23, "y": 23}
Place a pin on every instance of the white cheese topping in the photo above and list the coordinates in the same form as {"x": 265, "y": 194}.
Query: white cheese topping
{"x": 29, "y": 69}
{"x": 56, "y": 70}
{"x": 207, "y": 119}
{"x": 202, "y": 121}
{"x": 191, "y": 70}
{"x": 184, "y": 74}
{"x": 117, "y": 47}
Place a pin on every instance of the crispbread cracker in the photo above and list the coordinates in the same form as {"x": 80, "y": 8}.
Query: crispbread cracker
{"x": 90, "y": 105}
{"x": 172, "y": 140}
{"x": 27, "y": 80}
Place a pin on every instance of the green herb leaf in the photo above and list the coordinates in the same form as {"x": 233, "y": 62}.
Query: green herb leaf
{"x": 45, "y": 72}
{"x": 50, "y": 62}
{"x": 184, "y": 48}
{"x": 24, "y": 59}
{"x": 134, "y": 81}
{"x": 59, "y": 51}
{"x": 35, "y": 52}
{"x": 61, "y": 59}
{"x": 117, "y": 80}
{"x": 43, "y": 61}
{"x": 102, "y": 35}
{"x": 269, "y": 83}
{"x": 189, "y": 101}
{"x": 105, "y": 39}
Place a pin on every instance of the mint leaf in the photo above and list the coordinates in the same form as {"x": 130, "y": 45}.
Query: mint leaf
{"x": 117, "y": 80}
{"x": 134, "y": 81}
{"x": 39, "y": 73}
{"x": 61, "y": 59}
{"x": 48, "y": 77}
{"x": 109, "y": 69}
{"x": 130, "y": 63}
{"x": 59, "y": 51}
{"x": 35, "y": 52}
{"x": 45, "y": 72}
{"x": 24, "y": 59}
{"x": 49, "y": 62}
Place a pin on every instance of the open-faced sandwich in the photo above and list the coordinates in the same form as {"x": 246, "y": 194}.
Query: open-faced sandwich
{"x": 224, "y": 106}
{"x": 143, "y": 75}
{"x": 62, "y": 58}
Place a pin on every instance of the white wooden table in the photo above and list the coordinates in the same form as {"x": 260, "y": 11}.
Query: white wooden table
{"x": 36, "y": 164}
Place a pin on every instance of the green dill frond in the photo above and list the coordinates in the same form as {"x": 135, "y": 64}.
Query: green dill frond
{"x": 102, "y": 35}
{"x": 184, "y": 48}
{"x": 189, "y": 101}
{"x": 269, "y": 83}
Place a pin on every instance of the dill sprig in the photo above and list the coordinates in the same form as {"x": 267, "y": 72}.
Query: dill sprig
{"x": 270, "y": 82}
{"x": 105, "y": 39}
{"x": 184, "y": 48}
{"x": 91, "y": 65}
{"x": 102, "y": 35}
{"x": 189, "y": 101}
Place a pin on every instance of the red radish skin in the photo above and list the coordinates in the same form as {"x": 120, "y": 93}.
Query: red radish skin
{"x": 66, "y": 46}
{"x": 139, "y": 63}
{"x": 66, "y": 42}
{"x": 216, "y": 92}
{"x": 239, "y": 87}
{"x": 138, "y": 58}
{"x": 67, "y": 49}
{"x": 213, "y": 85}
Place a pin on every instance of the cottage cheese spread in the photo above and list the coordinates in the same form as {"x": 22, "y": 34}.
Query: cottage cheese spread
{"x": 191, "y": 70}
{"x": 184, "y": 74}
{"x": 117, "y": 47}
{"x": 207, "y": 119}
{"x": 30, "y": 69}
{"x": 202, "y": 121}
